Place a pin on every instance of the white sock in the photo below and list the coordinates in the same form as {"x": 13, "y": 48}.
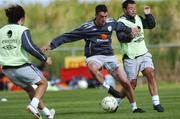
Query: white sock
{"x": 155, "y": 100}
{"x": 34, "y": 102}
{"x": 106, "y": 85}
{"x": 133, "y": 106}
{"x": 46, "y": 111}
{"x": 119, "y": 100}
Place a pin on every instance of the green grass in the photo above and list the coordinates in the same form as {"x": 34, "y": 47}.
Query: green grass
{"x": 84, "y": 104}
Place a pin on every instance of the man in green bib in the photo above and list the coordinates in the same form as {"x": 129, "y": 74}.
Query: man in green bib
{"x": 15, "y": 44}
{"x": 136, "y": 57}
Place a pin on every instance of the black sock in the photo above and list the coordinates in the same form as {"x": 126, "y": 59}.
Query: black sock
{"x": 114, "y": 93}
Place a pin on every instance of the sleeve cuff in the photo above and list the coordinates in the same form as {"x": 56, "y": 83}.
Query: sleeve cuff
{"x": 52, "y": 46}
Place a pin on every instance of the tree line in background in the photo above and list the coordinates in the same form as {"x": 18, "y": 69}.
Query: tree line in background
{"x": 61, "y": 16}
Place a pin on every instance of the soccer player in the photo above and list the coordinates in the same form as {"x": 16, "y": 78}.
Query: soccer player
{"x": 98, "y": 51}
{"x": 15, "y": 44}
{"x": 136, "y": 55}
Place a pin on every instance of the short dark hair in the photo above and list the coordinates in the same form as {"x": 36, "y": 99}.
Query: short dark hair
{"x": 14, "y": 13}
{"x": 101, "y": 8}
{"x": 125, "y": 3}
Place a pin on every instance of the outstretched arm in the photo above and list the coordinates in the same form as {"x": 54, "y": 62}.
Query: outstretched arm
{"x": 31, "y": 48}
{"x": 72, "y": 36}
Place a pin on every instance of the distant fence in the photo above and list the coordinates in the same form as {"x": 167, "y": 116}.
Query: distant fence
{"x": 73, "y": 50}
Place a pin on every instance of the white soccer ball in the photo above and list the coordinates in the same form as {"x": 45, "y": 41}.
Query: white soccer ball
{"x": 109, "y": 104}
{"x": 4, "y": 100}
{"x": 83, "y": 84}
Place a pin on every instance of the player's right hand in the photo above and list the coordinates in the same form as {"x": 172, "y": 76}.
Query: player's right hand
{"x": 147, "y": 10}
{"x": 134, "y": 32}
{"x": 46, "y": 48}
{"x": 49, "y": 61}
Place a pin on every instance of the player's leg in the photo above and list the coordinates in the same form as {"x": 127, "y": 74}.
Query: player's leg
{"x": 149, "y": 74}
{"x": 18, "y": 79}
{"x": 153, "y": 89}
{"x": 41, "y": 88}
{"x": 95, "y": 65}
{"x": 120, "y": 88}
{"x": 39, "y": 93}
{"x": 31, "y": 75}
{"x": 131, "y": 67}
{"x": 147, "y": 68}
{"x": 122, "y": 91}
{"x": 95, "y": 69}
{"x": 133, "y": 83}
{"x": 31, "y": 93}
{"x": 119, "y": 74}
{"x": 49, "y": 113}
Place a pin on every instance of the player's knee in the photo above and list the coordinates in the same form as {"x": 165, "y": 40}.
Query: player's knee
{"x": 94, "y": 70}
{"x": 133, "y": 83}
{"x": 126, "y": 84}
{"x": 28, "y": 89}
{"x": 45, "y": 83}
{"x": 42, "y": 82}
{"x": 149, "y": 73}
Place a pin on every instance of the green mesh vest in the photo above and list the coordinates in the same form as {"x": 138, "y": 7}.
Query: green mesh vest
{"x": 137, "y": 46}
{"x": 11, "y": 51}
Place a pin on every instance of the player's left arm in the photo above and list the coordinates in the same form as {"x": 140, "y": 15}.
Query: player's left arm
{"x": 149, "y": 20}
{"x": 31, "y": 48}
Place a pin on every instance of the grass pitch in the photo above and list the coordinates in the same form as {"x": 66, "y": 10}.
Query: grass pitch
{"x": 84, "y": 104}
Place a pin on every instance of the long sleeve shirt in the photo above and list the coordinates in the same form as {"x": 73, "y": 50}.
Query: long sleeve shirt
{"x": 148, "y": 23}
{"x": 30, "y": 47}
{"x": 97, "y": 38}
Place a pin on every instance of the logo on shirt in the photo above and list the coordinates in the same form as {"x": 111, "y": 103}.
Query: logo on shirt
{"x": 9, "y": 34}
{"x": 8, "y": 47}
{"x": 103, "y": 38}
{"x": 109, "y": 28}
{"x": 8, "y": 44}
{"x": 94, "y": 29}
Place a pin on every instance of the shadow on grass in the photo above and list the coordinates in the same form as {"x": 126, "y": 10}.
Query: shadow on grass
{"x": 82, "y": 113}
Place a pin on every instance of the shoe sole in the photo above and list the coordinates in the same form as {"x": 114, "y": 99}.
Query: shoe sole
{"x": 36, "y": 116}
{"x": 54, "y": 112}
{"x": 159, "y": 110}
